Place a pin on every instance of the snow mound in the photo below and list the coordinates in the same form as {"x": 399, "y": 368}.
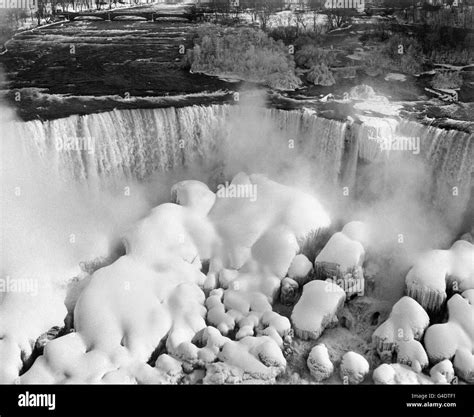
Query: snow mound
{"x": 354, "y": 368}
{"x": 299, "y": 269}
{"x": 249, "y": 360}
{"x": 407, "y": 321}
{"x": 317, "y": 308}
{"x": 455, "y": 338}
{"x": 342, "y": 257}
{"x": 319, "y": 363}
{"x": 434, "y": 270}
{"x": 152, "y": 297}
{"x": 388, "y": 374}
{"x": 442, "y": 372}
{"x": 411, "y": 353}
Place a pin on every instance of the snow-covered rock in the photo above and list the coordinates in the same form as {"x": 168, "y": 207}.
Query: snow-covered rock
{"x": 442, "y": 372}
{"x": 395, "y": 373}
{"x": 249, "y": 360}
{"x": 342, "y": 257}
{"x": 427, "y": 279}
{"x": 455, "y": 337}
{"x": 299, "y": 269}
{"x": 317, "y": 308}
{"x": 411, "y": 353}
{"x": 407, "y": 321}
{"x": 354, "y": 368}
{"x": 319, "y": 363}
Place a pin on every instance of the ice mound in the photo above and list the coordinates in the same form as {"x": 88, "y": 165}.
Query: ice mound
{"x": 411, "y": 353}
{"x": 407, "y": 321}
{"x": 317, "y": 308}
{"x": 193, "y": 194}
{"x": 455, "y": 338}
{"x": 354, "y": 368}
{"x": 343, "y": 249}
{"x": 152, "y": 297}
{"x": 442, "y": 372}
{"x": 300, "y": 268}
{"x": 249, "y": 360}
{"x": 242, "y": 222}
{"x": 434, "y": 270}
{"x": 342, "y": 257}
{"x": 396, "y": 373}
{"x": 319, "y": 363}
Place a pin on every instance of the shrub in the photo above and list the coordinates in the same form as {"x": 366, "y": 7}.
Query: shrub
{"x": 320, "y": 74}
{"x": 244, "y": 53}
{"x": 310, "y": 55}
{"x": 447, "y": 79}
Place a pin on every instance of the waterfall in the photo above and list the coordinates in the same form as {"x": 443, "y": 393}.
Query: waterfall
{"x": 141, "y": 142}
{"x": 138, "y": 143}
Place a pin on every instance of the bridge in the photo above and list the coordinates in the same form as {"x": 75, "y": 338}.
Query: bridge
{"x": 117, "y": 14}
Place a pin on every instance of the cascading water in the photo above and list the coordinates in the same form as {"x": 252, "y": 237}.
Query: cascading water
{"x": 135, "y": 144}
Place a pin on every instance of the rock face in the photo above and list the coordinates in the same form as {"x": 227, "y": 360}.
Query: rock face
{"x": 434, "y": 270}
{"x": 319, "y": 363}
{"x": 388, "y": 374}
{"x": 317, "y": 309}
{"x": 455, "y": 338}
{"x": 354, "y": 368}
{"x": 407, "y": 321}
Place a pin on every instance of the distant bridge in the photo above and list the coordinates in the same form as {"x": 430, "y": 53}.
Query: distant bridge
{"x": 117, "y": 14}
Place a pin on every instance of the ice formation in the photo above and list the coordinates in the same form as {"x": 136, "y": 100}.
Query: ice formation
{"x": 396, "y": 373}
{"x": 407, "y": 321}
{"x": 455, "y": 338}
{"x": 411, "y": 353}
{"x": 354, "y": 368}
{"x": 154, "y": 297}
{"x": 342, "y": 257}
{"x": 317, "y": 308}
{"x": 319, "y": 363}
{"x": 442, "y": 372}
{"x": 427, "y": 280}
{"x": 299, "y": 269}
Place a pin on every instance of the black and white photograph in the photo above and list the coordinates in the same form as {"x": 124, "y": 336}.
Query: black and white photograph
{"x": 236, "y": 207}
